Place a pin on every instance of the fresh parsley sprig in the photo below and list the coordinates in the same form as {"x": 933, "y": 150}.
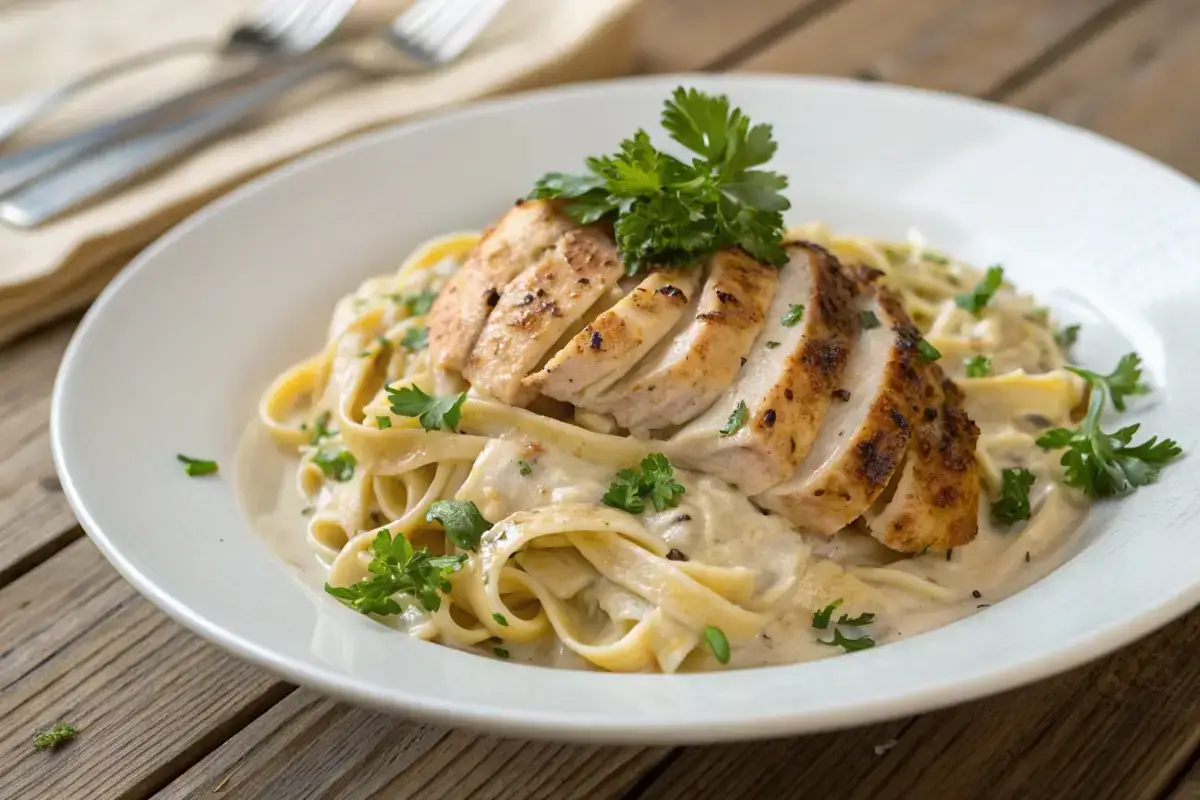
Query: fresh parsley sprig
{"x": 1013, "y": 503}
{"x": 979, "y": 366}
{"x": 462, "y": 521}
{"x": 668, "y": 211}
{"x": 975, "y": 300}
{"x": 1122, "y": 382}
{"x": 1109, "y": 464}
{"x": 434, "y": 413}
{"x": 847, "y": 643}
{"x": 655, "y": 481}
{"x": 399, "y": 569}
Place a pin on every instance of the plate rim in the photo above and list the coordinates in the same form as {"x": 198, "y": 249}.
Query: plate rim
{"x": 1079, "y": 651}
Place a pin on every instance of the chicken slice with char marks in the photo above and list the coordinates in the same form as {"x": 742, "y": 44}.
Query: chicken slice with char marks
{"x": 611, "y": 344}
{"x": 867, "y": 429}
{"x": 787, "y": 382}
{"x": 683, "y": 375}
{"x": 536, "y": 309}
{"x": 935, "y": 505}
{"x": 517, "y": 240}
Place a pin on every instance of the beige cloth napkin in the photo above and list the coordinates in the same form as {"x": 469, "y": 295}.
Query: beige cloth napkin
{"x": 59, "y": 267}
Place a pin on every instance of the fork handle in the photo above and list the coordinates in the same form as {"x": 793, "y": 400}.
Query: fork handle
{"x": 108, "y": 169}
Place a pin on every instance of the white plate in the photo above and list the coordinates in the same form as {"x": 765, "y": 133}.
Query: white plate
{"x": 175, "y": 353}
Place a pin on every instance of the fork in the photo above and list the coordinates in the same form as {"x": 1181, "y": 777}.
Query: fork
{"x": 275, "y": 26}
{"x": 431, "y": 33}
{"x": 279, "y": 27}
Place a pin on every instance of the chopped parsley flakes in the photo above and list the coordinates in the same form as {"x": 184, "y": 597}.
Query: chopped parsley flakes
{"x": 737, "y": 419}
{"x": 976, "y": 299}
{"x": 654, "y": 481}
{"x": 979, "y": 366}
{"x": 397, "y": 568}
{"x": 794, "y": 314}
{"x": 196, "y": 467}
{"x": 717, "y": 642}
{"x": 1013, "y": 503}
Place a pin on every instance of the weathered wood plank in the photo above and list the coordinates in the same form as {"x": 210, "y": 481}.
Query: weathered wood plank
{"x": 685, "y": 35}
{"x": 965, "y": 46}
{"x": 310, "y": 746}
{"x": 1119, "y": 728}
{"x": 34, "y": 517}
{"x": 149, "y": 699}
{"x": 1139, "y": 83}
{"x": 1188, "y": 787}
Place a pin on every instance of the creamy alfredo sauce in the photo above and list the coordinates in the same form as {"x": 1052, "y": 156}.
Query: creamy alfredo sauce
{"x": 714, "y": 524}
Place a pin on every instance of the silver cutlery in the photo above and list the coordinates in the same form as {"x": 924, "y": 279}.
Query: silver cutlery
{"x": 430, "y": 33}
{"x": 275, "y": 26}
{"x": 278, "y": 27}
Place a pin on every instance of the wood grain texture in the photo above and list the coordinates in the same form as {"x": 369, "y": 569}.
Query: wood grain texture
{"x": 965, "y": 46}
{"x": 1138, "y": 83}
{"x": 149, "y": 699}
{"x": 1115, "y": 729}
{"x": 308, "y": 746}
{"x": 686, "y": 35}
{"x": 1188, "y": 787}
{"x": 34, "y": 517}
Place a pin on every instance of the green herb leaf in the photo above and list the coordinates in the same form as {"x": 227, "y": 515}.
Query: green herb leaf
{"x": 1013, "y": 503}
{"x": 435, "y": 413}
{"x": 526, "y": 468}
{"x": 416, "y": 305}
{"x": 415, "y": 339}
{"x": 927, "y": 352}
{"x": 737, "y": 419}
{"x": 397, "y": 568}
{"x": 772, "y": 345}
{"x": 52, "y": 738}
{"x": 654, "y": 481}
{"x": 500, "y": 620}
{"x": 717, "y": 642}
{"x": 1067, "y": 337}
{"x": 979, "y": 367}
{"x": 794, "y": 314}
{"x": 321, "y": 429}
{"x": 868, "y": 321}
{"x": 934, "y": 257}
{"x": 383, "y": 422}
{"x": 667, "y": 211}
{"x": 848, "y": 644}
{"x": 196, "y": 467}
{"x": 1107, "y": 464}
{"x": 821, "y": 618}
{"x": 1122, "y": 382}
{"x": 861, "y": 619}
{"x": 975, "y": 300}
{"x": 500, "y": 652}
{"x": 336, "y": 462}
{"x": 462, "y": 521}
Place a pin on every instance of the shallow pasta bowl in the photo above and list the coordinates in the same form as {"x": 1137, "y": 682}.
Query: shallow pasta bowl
{"x": 173, "y": 356}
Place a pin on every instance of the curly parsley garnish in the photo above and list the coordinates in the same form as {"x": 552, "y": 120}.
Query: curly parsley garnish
{"x": 654, "y": 481}
{"x": 1108, "y": 464}
{"x": 434, "y": 413}
{"x": 848, "y": 644}
{"x": 668, "y": 211}
{"x": 52, "y": 738}
{"x": 196, "y": 467}
{"x": 737, "y": 419}
{"x": 979, "y": 367}
{"x": 821, "y": 618}
{"x": 336, "y": 462}
{"x": 416, "y": 305}
{"x": 717, "y": 642}
{"x": 975, "y": 300}
{"x": 1122, "y": 382}
{"x": 794, "y": 314}
{"x": 927, "y": 352}
{"x": 1013, "y": 503}
{"x": 462, "y": 521}
{"x": 399, "y": 569}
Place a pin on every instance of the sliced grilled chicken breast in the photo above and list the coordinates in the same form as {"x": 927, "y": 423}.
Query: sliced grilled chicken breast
{"x": 537, "y": 308}
{"x": 517, "y": 240}
{"x": 867, "y": 428}
{"x": 617, "y": 338}
{"x": 683, "y": 375}
{"x": 936, "y": 501}
{"x": 787, "y": 382}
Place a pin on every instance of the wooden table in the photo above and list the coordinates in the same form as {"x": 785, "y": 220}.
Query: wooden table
{"x": 162, "y": 713}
